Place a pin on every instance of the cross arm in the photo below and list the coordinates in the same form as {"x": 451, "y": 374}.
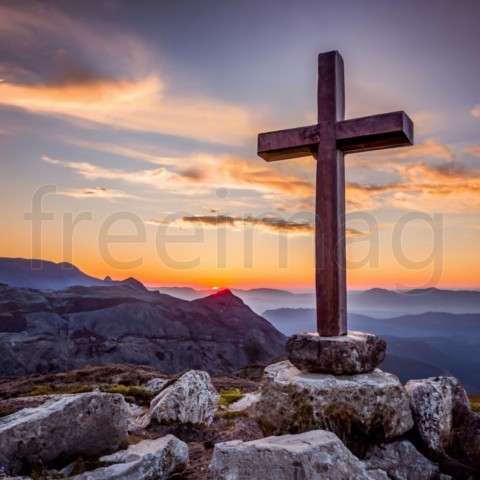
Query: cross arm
{"x": 291, "y": 143}
{"x": 376, "y": 132}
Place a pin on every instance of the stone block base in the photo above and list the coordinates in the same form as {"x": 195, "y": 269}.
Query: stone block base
{"x": 350, "y": 354}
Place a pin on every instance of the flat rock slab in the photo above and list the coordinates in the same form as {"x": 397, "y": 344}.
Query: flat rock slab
{"x": 356, "y": 352}
{"x": 148, "y": 460}
{"x": 361, "y": 409}
{"x": 313, "y": 455}
{"x": 87, "y": 424}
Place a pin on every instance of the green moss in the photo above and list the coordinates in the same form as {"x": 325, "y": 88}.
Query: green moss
{"x": 232, "y": 413}
{"x": 140, "y": 394}
{"x": 229, "y": 396}
{"x": 40, "y": 390}
{"x": 475, "y": 402}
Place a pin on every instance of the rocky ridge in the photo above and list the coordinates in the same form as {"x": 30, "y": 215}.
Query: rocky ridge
{"x": 49, "y": 331}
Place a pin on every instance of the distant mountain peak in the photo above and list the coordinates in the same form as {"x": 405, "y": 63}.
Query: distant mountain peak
{"x": 223, "y": 298}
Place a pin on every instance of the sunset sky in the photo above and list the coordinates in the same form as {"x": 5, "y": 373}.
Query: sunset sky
{"x": 133, "y": 127}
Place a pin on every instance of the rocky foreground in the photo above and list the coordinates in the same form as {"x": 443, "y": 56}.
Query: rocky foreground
{"x": 138, "y": 423}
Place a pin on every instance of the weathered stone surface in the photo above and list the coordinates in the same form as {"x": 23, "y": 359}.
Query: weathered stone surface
{"x": 448, "y": 431}
{"x": 378, "y": 475}
{"x": 312, "y": 455}
{"x": 156, "y": 384}
{"x": 361, "y": 409}
{"x": 356, "y": 352}
{"x": 87, "y": 424}
{"x": 401, "y": 461}
{"x": 191, "y": 399}
{"x": 148, "y": 460}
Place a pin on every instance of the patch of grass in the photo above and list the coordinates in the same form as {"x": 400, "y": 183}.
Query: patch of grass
{"x": 475, "y": 402}
{"x": 40, "y": 390}
{"x": 229, "y": 396}
{"x": 52, "y": 390}
{"x": 141, "y": 395}
{"x": 233, "y": 413}
{"x": 4, "y": 412}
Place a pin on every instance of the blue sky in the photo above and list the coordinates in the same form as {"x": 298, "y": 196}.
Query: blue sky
{"x": 153, "y": 107}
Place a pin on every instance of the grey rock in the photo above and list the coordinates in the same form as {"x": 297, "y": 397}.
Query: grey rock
{"x": 448, "y": 430}
{"x": 361, "y": 409}
{"x": 191, "y": 399}
{"x": 87, "y": 424}
{"x": 356, "y": 352}
{"x": 148, "y": 460}
{"x": 316, "y": 455}
{"x": 378, "y": 475}
{"x": 156, "y": 384}
{"x": 401, "y": 461}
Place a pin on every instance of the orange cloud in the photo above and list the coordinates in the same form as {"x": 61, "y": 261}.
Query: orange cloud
{"x": 134, "y": 105}
{"x": 473, "y": 151}
{"x": 476, "y": 111}
{"x": 276, "y": 224}
{"x": 201, "y": 173}
{"x": 446, "y": 187}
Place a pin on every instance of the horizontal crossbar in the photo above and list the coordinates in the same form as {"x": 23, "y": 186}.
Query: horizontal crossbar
{"x": 375, "y": 132}
{"x": 291, "y": 143}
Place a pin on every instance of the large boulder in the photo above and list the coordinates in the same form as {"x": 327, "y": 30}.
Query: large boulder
{"x": 191, "y": 399}
{"x": 87, "y": 425}
{"x": 148, "y": 460}
{"x": 447, "y": 430}
{"x": 401, "y": 461}
{"x": 316, "y": 455}
{"x": 361, "y": 409}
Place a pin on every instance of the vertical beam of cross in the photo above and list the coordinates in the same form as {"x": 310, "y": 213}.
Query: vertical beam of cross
{"x": 328, "y": 141}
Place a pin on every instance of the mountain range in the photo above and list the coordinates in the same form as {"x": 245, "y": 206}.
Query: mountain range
{"x": 56, "y": 317}
{"x": 43, "y": 330}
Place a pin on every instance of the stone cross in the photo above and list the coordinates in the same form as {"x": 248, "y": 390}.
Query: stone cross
{"x": 328, "y": 141}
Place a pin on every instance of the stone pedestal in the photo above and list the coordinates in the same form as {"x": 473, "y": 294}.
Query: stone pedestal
{"x": 350, "y": 354}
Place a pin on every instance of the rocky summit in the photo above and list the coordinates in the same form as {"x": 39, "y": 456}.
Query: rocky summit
{"x": 47, "y": 331}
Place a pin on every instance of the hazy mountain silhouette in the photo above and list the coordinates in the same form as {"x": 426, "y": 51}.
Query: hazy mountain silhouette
{"x": 22, "y": 272}
{"x": 377, "y": 302}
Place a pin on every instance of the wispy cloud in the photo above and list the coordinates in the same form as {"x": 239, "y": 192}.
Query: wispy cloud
{"x": 473, "y": 151}
{"x": 140, "y": 105}
{"x": 98, "y": 192}
{"x": 201, "y": 173}
{"x": 268, "y": 223}
{"x": 123, "y": 89}
{"x": 449, "y": 187}
{"x": 476, "y": 111}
